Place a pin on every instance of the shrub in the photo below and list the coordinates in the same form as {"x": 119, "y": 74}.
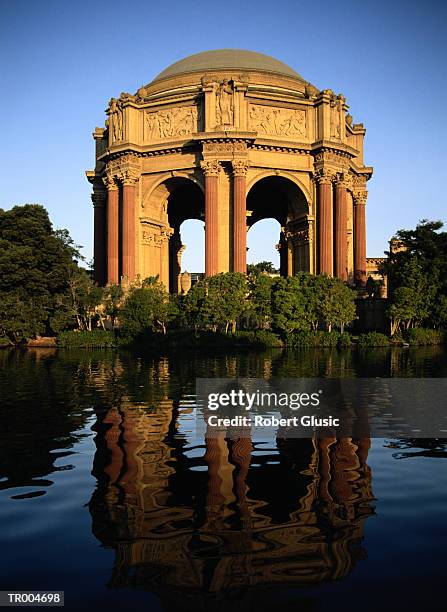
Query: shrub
{"x": 344, "y": 340}
{"x": 372, "y": 339}
{"x": 424, "y": 337}
{"x": 318, "y": 339}
{"x": 97, "y": 338}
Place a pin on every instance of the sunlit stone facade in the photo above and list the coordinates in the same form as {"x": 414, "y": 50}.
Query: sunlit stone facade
{"x": 229, "y": 137}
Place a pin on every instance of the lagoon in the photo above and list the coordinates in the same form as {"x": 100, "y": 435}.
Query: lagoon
{"x": 108, "y": 492}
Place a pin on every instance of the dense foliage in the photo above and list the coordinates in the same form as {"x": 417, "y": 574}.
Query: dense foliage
{"x": 417, "y": 278}
{"x": 42, "y": 288}
{"x": 44, "y": 291}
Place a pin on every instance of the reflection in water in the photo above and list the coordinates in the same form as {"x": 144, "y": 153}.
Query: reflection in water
{"x": 202, "y": 522}
{"x": 212, "y": 516}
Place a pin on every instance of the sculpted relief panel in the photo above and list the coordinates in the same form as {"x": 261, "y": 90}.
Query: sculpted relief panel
{"x": 171, "y": 123}
{"x": 275, "y": 121}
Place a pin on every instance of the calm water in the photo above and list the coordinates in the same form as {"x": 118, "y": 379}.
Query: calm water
{"x": 107, "y": 493}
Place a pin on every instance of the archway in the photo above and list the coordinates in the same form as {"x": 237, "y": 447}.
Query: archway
{"x": 193, "y": 237}
{"x": 184, "y": 202}
{"x": 277, "y": 197}
{"x": 262, "y": 242}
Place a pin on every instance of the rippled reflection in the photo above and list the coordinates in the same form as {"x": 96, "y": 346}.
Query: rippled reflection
{"x": 212, "y": 515}
{"x": 193, "y": 519}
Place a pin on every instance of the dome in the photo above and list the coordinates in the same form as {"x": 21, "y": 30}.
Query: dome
{"x": 231, "y": 59}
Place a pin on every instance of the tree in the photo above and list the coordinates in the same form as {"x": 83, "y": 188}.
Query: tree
{"x": 417, "y": 276}
{"x": 146, "y": 308}
{"x": 217, "y": 302}
{"x": 112, "y": 299}
{"x": 259, "y": 311}
{"x": 289, "y": 306}
{"x": 338, "y": 305}
{"x": 35, "y": 265}
{"x": 262, "y": 267}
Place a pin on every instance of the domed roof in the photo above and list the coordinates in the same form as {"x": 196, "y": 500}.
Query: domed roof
{"x": 232, "y": 59}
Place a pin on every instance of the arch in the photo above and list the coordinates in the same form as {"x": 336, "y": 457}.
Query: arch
{"x": 174, "y": 198}
{"x": 282, "y": 174}
{"x": 279, "y": 197}
{"x": 259, "y": 236}
{"x": 166, "y": 183}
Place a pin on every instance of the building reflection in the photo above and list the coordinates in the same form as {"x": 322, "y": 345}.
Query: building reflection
{"x": 191, "y": 518}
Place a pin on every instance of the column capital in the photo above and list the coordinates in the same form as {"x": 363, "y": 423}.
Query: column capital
{"x": 324, "y": 176}
{"x": 359, "y": 197}
{"x": 129, "y": 176}
{"x": 99, "y": 198}
{"x": 110, "y": 182}
{"x": 240, "y": 167}
{"x": 343, "y": 180}
{"x": 210, "y": 167}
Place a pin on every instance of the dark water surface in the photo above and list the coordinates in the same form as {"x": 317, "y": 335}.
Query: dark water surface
{"x": 107, "y": 493}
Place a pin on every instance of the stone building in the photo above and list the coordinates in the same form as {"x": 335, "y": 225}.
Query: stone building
{"x": 230, "y": 137}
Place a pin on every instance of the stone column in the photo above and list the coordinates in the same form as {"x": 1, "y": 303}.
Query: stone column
{"x": 359, "y": 198}
{"x": 324, "y": 179}
{"x": 99, "y": 237}
{"x": 240, "y": 168}
{"x": 128, "y": 228}
{"x": 341, "y": 230}
{"x": 112, "y": 230}
{"x": 211, "y": 170}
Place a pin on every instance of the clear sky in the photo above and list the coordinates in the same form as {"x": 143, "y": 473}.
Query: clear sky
{"x": 62, "y": 60}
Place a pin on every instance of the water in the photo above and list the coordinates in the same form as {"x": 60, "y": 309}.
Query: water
{"x": 107, "y": 493}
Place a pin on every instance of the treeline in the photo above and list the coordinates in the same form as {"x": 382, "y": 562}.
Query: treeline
{"x": 45, "y": 291}
{"x": 232, "y": 302}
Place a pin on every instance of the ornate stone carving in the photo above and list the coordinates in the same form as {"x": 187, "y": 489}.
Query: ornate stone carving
{"x": 154, "y": 234}
{"x": 240, "y": 167}
{"x": 225, "y": 104}
{"x": 359, "y": 197}
{"x": 338, "y": 158}
{"x": 336, "y": 105}
{"x": 109, "y": 181}
{"x": 99, "y": 197}
{"x": 172, "y": 122}
{"x": 210, "y": 167}
{"x": 343, "y": 180}
{"x": 276, "y": 121}
{"x": 224, "y": 148}
{"x": 310, "y": 91}
{"x": 359, "y": 183}
{"x": 129, "y": 176}
{"x": 116, "y": 119}
{"x": 324, "y": 175}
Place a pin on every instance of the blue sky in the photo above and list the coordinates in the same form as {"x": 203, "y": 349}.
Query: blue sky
{"x": 61, "y": 61}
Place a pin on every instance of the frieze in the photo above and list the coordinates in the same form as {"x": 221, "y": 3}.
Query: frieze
{"x": 156, "y": 235}
{"x": 172, "y": 122}
{"x": 277, "y": 121}
{"x": 224, "y": 148}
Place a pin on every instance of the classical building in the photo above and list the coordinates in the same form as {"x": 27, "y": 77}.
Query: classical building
{"x": 229, "y": 137}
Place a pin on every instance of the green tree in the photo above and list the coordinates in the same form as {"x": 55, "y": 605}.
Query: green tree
{"x": 289, "y": 306}
{"x": 112, "y": 300}
{"x": 262, "y": 267}
{"x": 337, "y": 305}
{"x": 259, "y": 311}
{"x": 417, "y": 276}
{"x": 35, "y": 266}
{"x": 146, "y": 308}
{"x": 217, "y": 302}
